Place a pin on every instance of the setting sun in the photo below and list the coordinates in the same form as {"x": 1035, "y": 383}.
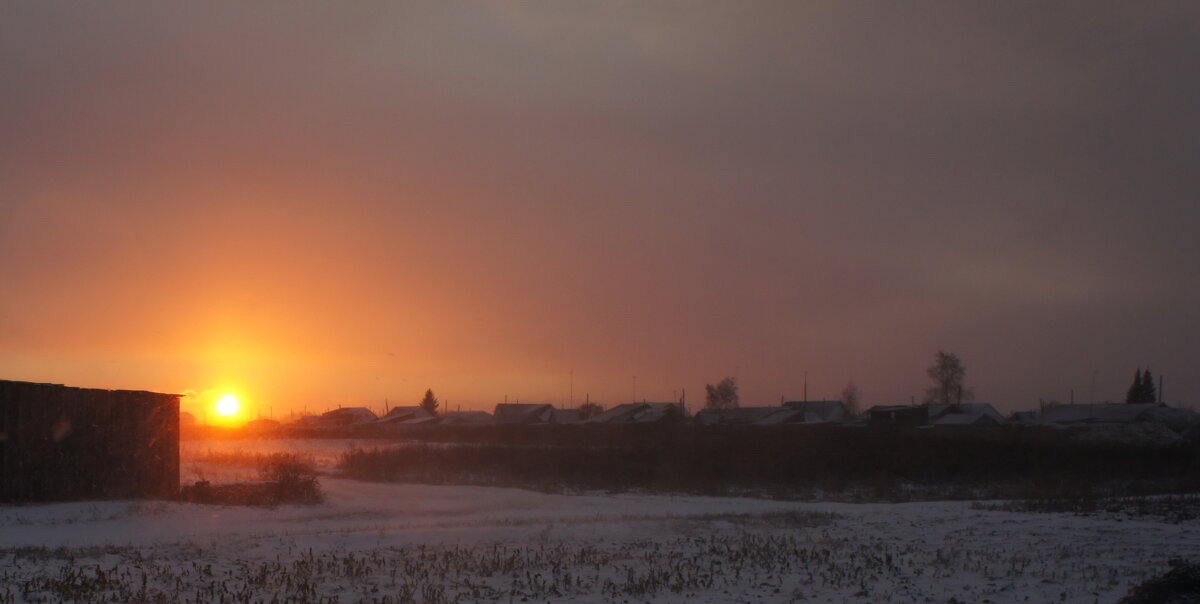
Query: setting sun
{"x": 227, "y": 405}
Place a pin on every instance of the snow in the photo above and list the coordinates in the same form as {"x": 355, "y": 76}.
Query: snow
{"x": 436, "y": 543}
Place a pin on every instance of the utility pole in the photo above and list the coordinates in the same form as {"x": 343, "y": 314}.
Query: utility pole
{"x": 634, "y": 399}
{"x": 806, "y": 385}
{"x": 1092, "y": 394}
{"x": 572, "y": 388}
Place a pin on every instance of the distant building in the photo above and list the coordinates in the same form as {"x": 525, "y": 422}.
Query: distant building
{"x": 397, "y": 415}
{"x": 818, "y": 412}
{"x": 898, "y": 415}
{"x": 522, "y": 413}
{"x": 467, "y": 418}
{"x": 977, "y": 415}
{"x": 746, "y": 416}
{"x": 641, "y": 413}
{"x": 344, "y": 417}
{"x": 1024, "y": 418}
{"x": 262, "y": 425}
{"x": 60, "y": 443}
{"x": 567, "y": 416}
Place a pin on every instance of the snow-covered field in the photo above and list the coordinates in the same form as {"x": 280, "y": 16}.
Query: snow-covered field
{"x": 395, "y": 543}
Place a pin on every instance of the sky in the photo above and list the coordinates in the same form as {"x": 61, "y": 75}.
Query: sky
{"x": 315, "y": 204}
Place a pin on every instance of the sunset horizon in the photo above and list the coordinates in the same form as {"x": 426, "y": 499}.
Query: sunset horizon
{"x": 320, "y": 207}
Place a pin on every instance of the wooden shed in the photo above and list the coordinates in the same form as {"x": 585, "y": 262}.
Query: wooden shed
{"x": 59, "y": 443}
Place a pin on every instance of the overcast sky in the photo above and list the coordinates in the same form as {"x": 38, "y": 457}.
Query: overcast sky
{"x": 317, "y": 203}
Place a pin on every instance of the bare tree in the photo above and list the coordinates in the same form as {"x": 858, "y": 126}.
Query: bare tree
{"x": 948, "y": 374}
{"x": 850, "y": 398}
{"x": 590, "y": 409}
{"x": 722, "y": 396}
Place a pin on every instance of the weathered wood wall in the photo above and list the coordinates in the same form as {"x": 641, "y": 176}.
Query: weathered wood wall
{"x": 61, "y": 443}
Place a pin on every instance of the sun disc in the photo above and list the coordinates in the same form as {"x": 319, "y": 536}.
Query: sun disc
{"x": 227, "y": 405}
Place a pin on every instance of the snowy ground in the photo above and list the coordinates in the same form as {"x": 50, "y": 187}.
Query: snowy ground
{"x": 393, "y": 543}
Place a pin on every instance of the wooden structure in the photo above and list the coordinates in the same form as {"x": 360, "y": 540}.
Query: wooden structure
{"x": 59, "y": 443}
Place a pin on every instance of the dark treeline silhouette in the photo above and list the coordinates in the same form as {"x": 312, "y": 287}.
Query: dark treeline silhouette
{"x": 868, "y": 464}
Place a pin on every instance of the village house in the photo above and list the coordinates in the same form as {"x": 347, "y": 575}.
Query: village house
{"x": 467, "y": 418}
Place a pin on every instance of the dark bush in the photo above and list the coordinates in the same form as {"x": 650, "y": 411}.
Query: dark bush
{"x": 286, "y": 478}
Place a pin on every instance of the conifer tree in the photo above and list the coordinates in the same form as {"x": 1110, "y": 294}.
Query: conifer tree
{"x": 1135, "y": 389}
{"x": 1149, "y": 392}
{"x": 429, "y": 403}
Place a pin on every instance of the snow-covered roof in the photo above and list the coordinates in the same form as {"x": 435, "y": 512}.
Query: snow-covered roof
{"x": 1104, "y": 413}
